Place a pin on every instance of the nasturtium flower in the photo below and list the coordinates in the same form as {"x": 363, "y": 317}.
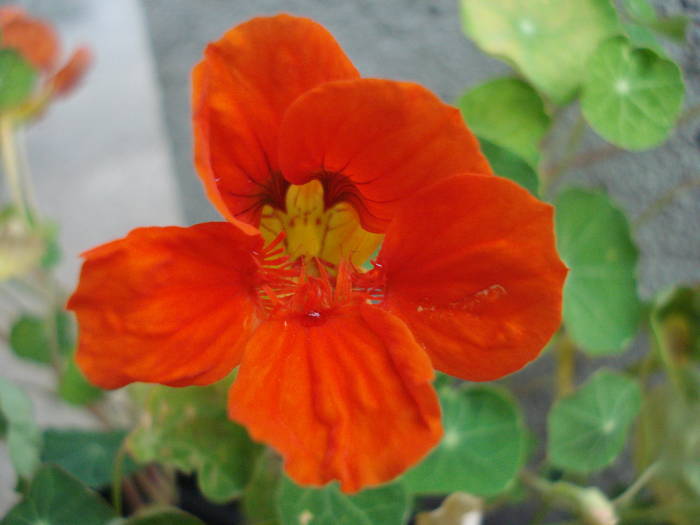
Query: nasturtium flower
{"x": 314, "y": 167}
{"x": 37, "y": 42}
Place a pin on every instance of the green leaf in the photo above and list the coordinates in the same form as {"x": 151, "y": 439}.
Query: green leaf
{"x": 601, "y": 307}
{"x": 28, "y": 339}
{"x": 23, "y": 436}
{"x": 509, "y": 113}
{"x": 482, "y": 449}
{"x": 386, "y": 505}
{"x": 160, "y": 516}
{"x": 88, "y": 455}
{"x": 550, "y": 45}
{"x": 640, "y": 10}
{"x": 259, "y": 496}
{"x": 52, "y": 251}
{"x": 510, "y": 166}
{"x": 30, "y": 336}
{"x": 74, "y": 388}
{"x": 189, "y": 429}
{"x": 588, "y": 429}
{"x": 17, "y": 78}
{"x": 641, "y": 36}
{"x": 673, "y": 27}
{"x": 57, "y": 498}
{"x": 632, "y": 96}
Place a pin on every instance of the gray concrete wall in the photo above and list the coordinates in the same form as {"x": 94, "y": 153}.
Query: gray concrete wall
{"x": 421, "y": 40}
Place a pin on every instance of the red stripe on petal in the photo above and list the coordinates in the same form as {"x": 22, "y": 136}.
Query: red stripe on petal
{"x": 374, "y": 143}
{"x": 347, "y": 398}
{"x": 166, "y": 305}
{"x": 471, "y": 265}
{"x": 241, "y": 90}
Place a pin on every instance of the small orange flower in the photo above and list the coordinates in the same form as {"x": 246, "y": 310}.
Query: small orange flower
{"x": 38, "y": 43}
{"x": 314, "y": 167}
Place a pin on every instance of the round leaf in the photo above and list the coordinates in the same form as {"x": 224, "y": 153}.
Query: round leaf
{"x": 189, "y": 429}
{"x": 510, "y": 166}
{"x": 17, "y": 78}
{"x": 640, "y": 10}
{"x": 75, "y": 388}
{"x": 549, "y": 43}
{"x": 22, "y": 434}
{"x": 57, "y": 498}
{"x": 87, "y": 455}
{"x": 507, "y": 112}
{"x": 30, "y": 336}
{"x": 588, "y": 429}
{"x": 482, "y": 448}
{"x": 258, "y": 500}
{"x": 386, "y": 505}
{"x": 641, "y": 36}
{"x": 601, "y": 307}
{"x": 632, "y": 96}
{"x": 29, "y": 340}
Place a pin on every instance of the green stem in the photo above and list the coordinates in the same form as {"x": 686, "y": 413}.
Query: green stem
{"x": 565, "y": 354}
{"x": 12, "y": 167}
{"x": 117, "y": 479}
{"x": 665, "y": 353}
{"x": 661, "y": 202}
{"x": 573, "y": 142}
{"x": 624, "y": 499}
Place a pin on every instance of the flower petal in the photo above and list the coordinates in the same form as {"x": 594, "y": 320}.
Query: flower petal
{"x": 471, "y": 266}
{"x": 166, "y": 305}
{"x": 34, "y": 39}
{"x": 241, "y": 90}
{"x": 375, "y": 142}
{"x": 346, "y": 398}
{"x": 72, "y": 72}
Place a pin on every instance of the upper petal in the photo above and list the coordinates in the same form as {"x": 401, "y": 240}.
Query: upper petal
{"x": 471, "y": 265}
{"x": 241, "y": 90}
{"x": 347, "y": 397}
{"x": 374, "y": 143}
{"x": 166, "y": 305}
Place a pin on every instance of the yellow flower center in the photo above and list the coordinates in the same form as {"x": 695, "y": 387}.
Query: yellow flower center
{"x": 313, "y": 230}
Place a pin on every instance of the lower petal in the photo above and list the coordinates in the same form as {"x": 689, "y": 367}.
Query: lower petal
{"x": 166, "y": 305}
{"x": 345, "y": 397}
{"x": 471, "y": 265}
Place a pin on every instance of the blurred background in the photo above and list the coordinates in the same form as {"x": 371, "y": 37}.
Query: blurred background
{"x": 117, "y": 153}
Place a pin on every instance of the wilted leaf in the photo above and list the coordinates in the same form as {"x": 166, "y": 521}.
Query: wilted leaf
{"x": 548, "y": 42}
{"x": 189, "y": 429}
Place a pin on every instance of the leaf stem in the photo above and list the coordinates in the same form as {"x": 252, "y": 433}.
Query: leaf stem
{"x": 565, "y": 355}
{"x": 624, "y": 499}
{"x": 663, "y": 200}
{"x": 12, "y": 167}
{"x": 665, "y": 353}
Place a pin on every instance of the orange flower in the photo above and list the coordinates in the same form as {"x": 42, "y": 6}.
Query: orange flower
{"x": 314, "y": 167}
{"x": 38, "y": 43}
